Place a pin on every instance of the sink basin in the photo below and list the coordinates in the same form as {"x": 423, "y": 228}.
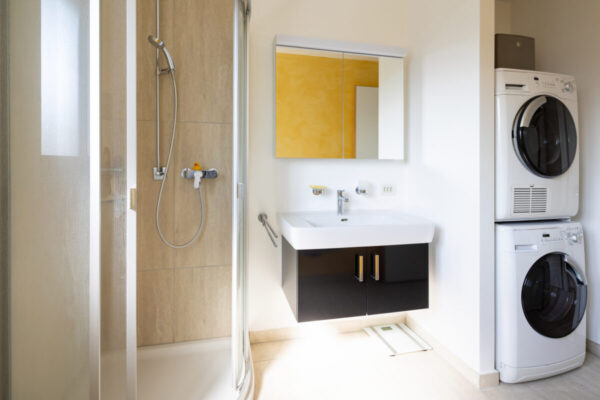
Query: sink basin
{"x": 326, "y": 230}
{"x": 352, "y": 220}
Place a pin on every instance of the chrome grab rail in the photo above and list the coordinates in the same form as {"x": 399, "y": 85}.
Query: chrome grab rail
{"x": 262, "y": 217}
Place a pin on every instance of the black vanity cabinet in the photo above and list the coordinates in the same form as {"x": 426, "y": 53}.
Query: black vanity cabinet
{"x": 398, "y": 278}
{"x": 347, "y": 282}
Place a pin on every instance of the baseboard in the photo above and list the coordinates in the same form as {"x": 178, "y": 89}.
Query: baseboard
{"x": 308, "y": 329}
{"x": 593, "y": 347}
{"x": 477, "y": 379}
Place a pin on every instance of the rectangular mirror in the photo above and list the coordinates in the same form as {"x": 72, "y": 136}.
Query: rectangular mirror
{"x": 338, "y": 105}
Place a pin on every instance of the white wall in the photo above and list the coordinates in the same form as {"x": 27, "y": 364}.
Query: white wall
{"x": 440, "y": 178}
{"x": 566, "y": 38}
{"x": 487, "y": 275}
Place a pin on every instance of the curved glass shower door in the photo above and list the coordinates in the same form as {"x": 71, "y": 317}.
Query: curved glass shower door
{"x": 241, "y": 359}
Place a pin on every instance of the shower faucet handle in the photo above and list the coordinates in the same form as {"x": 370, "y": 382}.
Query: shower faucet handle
{"x": 195, "y": 174}
{"x": 189, "y": 173}
{"x": 210, "y": 173}
{"x": 197, "y": 178}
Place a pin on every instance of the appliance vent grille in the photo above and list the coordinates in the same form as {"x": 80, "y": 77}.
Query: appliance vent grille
{"x": 530, "y": 200}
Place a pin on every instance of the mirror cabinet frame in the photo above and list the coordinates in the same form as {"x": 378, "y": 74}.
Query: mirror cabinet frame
{"x": 393, "y": 148}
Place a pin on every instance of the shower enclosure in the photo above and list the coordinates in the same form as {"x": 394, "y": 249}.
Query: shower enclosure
{"x": 243, "y": 373}
{"x": 75, "y": 292}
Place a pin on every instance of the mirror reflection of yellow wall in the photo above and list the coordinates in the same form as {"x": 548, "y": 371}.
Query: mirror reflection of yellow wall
{"x": 309, "y": 105}
{"x": 315, "y": 102}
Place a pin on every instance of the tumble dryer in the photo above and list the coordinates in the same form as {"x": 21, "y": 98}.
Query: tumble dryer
{"x": 541, "y": 296}
{"x": 537, "y": 157}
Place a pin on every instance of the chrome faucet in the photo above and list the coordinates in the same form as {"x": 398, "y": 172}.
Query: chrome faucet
{"x": 341, "y": 199}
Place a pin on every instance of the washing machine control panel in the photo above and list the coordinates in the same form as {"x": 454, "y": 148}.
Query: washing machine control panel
{"x": 554, "y": 83}
{"x": 571, "y": 235}
{"x": 568, "y": 86}
{"x": 552, "y": 236}
{"x": 548, "y": 83}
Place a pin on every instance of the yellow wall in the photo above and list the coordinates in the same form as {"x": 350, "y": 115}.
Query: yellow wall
{"x": 309, "y": 106}
{"x": 315, "y": 101}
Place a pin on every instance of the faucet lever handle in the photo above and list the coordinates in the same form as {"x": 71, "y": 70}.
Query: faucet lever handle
{"x": 361, "y": 190}
{"x": 198, "y": 175}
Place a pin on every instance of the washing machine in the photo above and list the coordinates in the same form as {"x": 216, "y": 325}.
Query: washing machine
{"x": 541, "y": 296}
{"x": 537, "y": 156}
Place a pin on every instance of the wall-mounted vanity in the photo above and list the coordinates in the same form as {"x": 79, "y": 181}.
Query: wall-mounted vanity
{"x": 338, "y": 100}
{"x": 346, "y": 100}
{"x": 361, "y": 263}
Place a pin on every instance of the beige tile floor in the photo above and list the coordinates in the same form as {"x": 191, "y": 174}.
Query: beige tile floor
{"x": 351, "y": 366}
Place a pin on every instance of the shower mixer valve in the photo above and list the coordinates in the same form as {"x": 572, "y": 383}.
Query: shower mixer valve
{"x": 197, "y": 174}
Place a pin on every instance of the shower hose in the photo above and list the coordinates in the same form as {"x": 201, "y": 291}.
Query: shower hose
{"x": 164, "y": 181}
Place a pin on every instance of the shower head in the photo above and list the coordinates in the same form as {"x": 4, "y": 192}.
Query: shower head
{"x": 159, "y": 44}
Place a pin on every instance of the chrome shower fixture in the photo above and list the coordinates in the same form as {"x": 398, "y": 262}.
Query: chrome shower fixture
{"x": 159, "y": 44}
{"x": 156, "y": 41}
{"x": 161, "y": 173}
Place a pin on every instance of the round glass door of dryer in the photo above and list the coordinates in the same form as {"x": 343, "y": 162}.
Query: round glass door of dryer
{"x": 545, "y": 137}
{"x": 554, "y": 296}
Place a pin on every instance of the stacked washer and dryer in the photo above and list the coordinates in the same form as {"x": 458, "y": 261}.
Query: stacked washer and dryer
{"x": 541, "y": 287}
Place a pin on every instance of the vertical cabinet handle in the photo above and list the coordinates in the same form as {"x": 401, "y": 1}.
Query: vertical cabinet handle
{"x": 375, "y": 271}
{"x": 359, "y": 272}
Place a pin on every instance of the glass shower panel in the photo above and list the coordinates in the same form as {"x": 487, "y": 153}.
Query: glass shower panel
{"x": 72, "y": 113}
{"x": 242, "y": 364}
{"x": 117, "y": 164}
{"x": 54, "y": 204}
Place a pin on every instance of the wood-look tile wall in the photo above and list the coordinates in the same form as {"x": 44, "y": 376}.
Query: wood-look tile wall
{"x": 185, "y": 294}
{"x": 4, "y": 211}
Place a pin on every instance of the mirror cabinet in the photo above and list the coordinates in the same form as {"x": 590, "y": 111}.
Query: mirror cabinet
{"x": 338, "y": 100}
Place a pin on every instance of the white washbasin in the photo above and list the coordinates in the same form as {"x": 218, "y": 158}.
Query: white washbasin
{"x": 326, "y": 230}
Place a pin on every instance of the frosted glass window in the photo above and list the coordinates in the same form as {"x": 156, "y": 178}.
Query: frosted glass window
{"x": 61, "y": 105}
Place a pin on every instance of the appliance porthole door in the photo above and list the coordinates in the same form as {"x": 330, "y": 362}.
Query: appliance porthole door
{"x": 545, "y": 137}
{"x": 554, "y": 296}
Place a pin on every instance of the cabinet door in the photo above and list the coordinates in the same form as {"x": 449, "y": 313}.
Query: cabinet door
{"x": 397, "y": 278}
{"x": 329, "y": 283}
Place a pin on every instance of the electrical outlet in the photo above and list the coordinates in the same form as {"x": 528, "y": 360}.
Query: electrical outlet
{"x": 388, "y": 189}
